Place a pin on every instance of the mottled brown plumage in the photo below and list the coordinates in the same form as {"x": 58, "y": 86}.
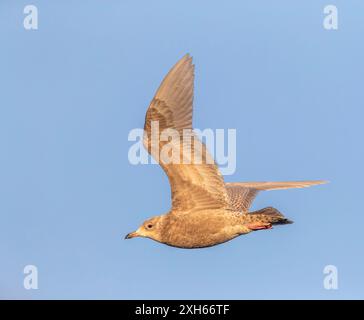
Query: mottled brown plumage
{"x": 205, "y": 210}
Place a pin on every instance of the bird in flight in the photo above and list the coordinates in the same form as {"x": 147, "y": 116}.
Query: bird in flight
{"x": 205, "y": 211}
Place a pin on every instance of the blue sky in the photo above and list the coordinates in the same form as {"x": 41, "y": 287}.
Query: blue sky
{"x": 73, "y": 89}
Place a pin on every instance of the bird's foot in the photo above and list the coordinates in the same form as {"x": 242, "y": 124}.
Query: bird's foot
{"x": 259, "y": 226}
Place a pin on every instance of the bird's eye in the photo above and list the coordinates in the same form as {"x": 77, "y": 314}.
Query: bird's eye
{"x": 149, "y": 226}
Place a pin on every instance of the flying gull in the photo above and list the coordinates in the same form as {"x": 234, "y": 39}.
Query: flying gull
{"x": 205, "y": 211}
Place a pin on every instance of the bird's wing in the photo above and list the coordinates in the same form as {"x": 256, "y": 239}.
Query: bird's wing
{"x": 242, "y": 194}
{"x": 196, "y": 182}
{"x": 241, "y": 198}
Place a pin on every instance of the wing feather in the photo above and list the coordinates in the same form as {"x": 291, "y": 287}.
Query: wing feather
{"x": 242, "y": 194}
{"x": 195, "y": 185}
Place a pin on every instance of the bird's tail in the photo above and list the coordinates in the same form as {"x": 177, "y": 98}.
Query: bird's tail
{"x": 270, "y": 215}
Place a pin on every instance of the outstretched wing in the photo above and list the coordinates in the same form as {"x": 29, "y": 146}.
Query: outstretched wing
{"x": 195, "y": 180}
{"x": 242, "y": 194}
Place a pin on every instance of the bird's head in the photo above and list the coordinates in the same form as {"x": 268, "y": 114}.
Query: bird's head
{"x": 150, "y": 228}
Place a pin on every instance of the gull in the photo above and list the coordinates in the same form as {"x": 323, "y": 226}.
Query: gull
{"x": 205, "y": 210}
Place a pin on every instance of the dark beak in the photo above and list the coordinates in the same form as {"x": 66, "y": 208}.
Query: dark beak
{"x": 131, "y": 235}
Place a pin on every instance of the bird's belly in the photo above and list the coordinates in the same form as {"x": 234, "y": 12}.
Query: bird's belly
{"x": 200, "y": 233}
{"x": 201, "y": 241}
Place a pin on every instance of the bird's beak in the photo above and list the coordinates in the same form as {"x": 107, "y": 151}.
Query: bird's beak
{"x": 131, "y": 235}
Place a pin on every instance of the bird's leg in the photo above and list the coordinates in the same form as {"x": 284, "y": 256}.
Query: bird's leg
{"x": 259, "y": 226}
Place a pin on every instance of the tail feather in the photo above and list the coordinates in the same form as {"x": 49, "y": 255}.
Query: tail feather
{"x": 270, "y": 215}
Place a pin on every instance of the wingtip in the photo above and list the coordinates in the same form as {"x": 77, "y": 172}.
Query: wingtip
{"x": 323, "y": 181}
{"x": 187, "y": 60}
{"x": 187, "y": 57}
{"x": 311, "y": 183}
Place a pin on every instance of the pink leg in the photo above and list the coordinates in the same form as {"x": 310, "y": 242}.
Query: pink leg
{"x": 259, "y": 226}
